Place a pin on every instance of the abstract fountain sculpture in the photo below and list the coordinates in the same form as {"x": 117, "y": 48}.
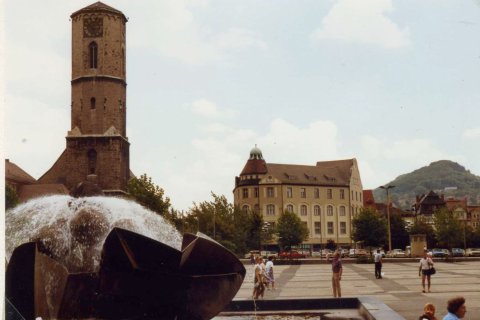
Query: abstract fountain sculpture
{"x": 136, "y": 277}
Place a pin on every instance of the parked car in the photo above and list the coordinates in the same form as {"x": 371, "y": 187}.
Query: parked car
{"x": 472, "y": 252}
{"x": 267, "y": 254}
{"x": 396, "y": 253}
{"x": 353, "y": 253}
{"x": 374, "y": 251}
{"x": 255, "y": 253}
{"x": 440, "y": 253}
{"x": 291, "y": 255}
{"x": 458, "y": 252}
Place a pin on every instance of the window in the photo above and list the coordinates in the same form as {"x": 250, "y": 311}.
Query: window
{"x": 270, "y": 192}
{"x": 329, "y": 193}
{"x": 329, "y": 211}
{"x": 92, "y": 161}
{"x": 270, "y": 210}
{"x": 330, "y": 227}
{"x": 245, "y": 208}
{"x": 289, "y": 208}
{"x": 303, "y": 210}
{"x": 303, "y": 193}
{"x": 316, "y": 193}
{"x": 343, "y": 227}
{"x": 352, "y": 194}
{"x": 356, "y": 195}
{"x": 92, "y": 103}
{"x": 318, "y": 228}
{"x": 342, "y": 194}
{"x": 93, "y": 54}
{"x": 316, "y": 211}
{"x": 289, "y": 192}
{"x": 255, "y": 192}
{"x": 342, "y": 211}
{"x": 245, "y": 193}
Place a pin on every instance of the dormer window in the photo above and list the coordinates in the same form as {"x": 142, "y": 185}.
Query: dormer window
{"x": 93, "y": 54}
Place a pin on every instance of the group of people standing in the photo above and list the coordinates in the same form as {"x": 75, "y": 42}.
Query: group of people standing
{"x": 456, "y": 310}
{"x": 264, "y": 277}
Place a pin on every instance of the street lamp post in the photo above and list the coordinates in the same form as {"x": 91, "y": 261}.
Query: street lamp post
{"x": 386, "y": 188}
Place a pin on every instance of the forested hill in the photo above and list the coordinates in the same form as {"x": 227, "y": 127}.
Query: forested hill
{"x": 444, "y": 176}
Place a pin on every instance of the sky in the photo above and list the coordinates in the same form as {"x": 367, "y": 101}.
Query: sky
{"x": 392, "y": 83}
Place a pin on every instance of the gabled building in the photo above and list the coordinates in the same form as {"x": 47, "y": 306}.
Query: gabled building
{"x": 426, "y": 204}
{"x": 325, "y": 196}
{"x": 26, "y": 186}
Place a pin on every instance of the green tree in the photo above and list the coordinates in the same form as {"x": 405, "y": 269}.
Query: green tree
{"x": 369, "y": 227}
{"x": 422, "y": 227}
{"x": 149, "y": 195}
{"x": 11, "y": 197}
{"x": 473, "y": 237}
{"x": 237, "y": 230}
{"x": 448, "y": 229}
{"x": 399, "y": 233}
{"x": 291, "y": 230}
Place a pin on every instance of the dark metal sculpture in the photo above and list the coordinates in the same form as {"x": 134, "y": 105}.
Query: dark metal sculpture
{"x": 139, "y": 278}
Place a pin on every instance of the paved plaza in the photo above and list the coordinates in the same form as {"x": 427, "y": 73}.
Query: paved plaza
{"x": 400, "y": 287}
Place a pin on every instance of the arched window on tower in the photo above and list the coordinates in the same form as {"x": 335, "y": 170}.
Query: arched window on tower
{"x": 93, "y": 55}
{"x": 92, "y": 161}
{"x": 92, "y": 103}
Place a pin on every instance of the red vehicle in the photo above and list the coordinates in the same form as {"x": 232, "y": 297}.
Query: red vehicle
{"x": 291, "y": 255}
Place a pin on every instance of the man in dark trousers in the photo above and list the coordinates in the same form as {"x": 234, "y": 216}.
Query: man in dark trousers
{"x": 378, "y": 264}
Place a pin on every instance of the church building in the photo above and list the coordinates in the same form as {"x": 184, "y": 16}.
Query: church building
{"x": 325, "y": 196}
{"x": 97, "y": 147}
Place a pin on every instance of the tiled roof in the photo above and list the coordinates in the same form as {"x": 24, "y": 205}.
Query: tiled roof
{"x": 431, "y": 199}
{"x": 254, "y": 166}
{"x": 324, "y": 173}
{"x": 17, "y": 175}
{"x": 98, "y": 6}
{"x": 368, "y": 198}
{"x": 32, "y": 191}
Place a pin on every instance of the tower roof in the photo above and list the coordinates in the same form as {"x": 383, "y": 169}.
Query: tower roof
{"x": 255, "y": 164}
{"x": 99, "y": 6}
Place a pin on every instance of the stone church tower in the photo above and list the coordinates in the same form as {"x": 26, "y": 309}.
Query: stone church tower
{"x": 97, "y": 144}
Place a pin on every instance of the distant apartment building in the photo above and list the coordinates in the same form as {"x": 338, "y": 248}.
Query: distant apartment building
{"x": 325, "y": 196}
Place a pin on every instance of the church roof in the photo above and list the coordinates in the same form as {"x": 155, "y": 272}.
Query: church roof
{"x": 98, "y": 6}
{"x": 31, "y": 191}
{"x": 16, "y": 174}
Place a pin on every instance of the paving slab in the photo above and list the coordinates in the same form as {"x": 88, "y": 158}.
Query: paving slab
{"x": 400, "y": 288}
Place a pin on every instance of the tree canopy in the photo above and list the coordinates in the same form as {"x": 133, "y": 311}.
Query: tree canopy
{"x": 399, "y": 233}
{"x": 369, "y": 227}
{"x": 291, "y": 230}
{"x": 148, "y": 194}
{"x": 448, "y": 229}
{"x": 11, "y": 198}
{"x": 421, "y": 227}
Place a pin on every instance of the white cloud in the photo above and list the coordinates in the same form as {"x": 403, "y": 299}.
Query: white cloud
{"x": 175, "y": 33}
{"x": 209, "y": 109}
{"x": 363, "y": 22}
{"x": 392, "y": 158}
{"x": 35, "y": 141}
{"x": 219, "y": 157}
{"x": 473, "y": 133}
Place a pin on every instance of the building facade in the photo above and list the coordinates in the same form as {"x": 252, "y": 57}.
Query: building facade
{"x": 325, "y": 196}
{"x": 97, "y": 147}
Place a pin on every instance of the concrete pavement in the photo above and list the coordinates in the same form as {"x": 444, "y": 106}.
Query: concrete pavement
{"x": 400, "y": 287}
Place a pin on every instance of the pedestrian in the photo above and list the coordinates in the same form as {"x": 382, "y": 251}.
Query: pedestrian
{"x": 337, "y": 271}
{"x": 269, "y": 273}
{"x": 378, "y": 264}
{"x": 424, "y": 270}
{"x": 428, "y": 312}
{"x": 258, "y": 287}
{"x": 456, "y": 309}
{"x": 252, "y": 259}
